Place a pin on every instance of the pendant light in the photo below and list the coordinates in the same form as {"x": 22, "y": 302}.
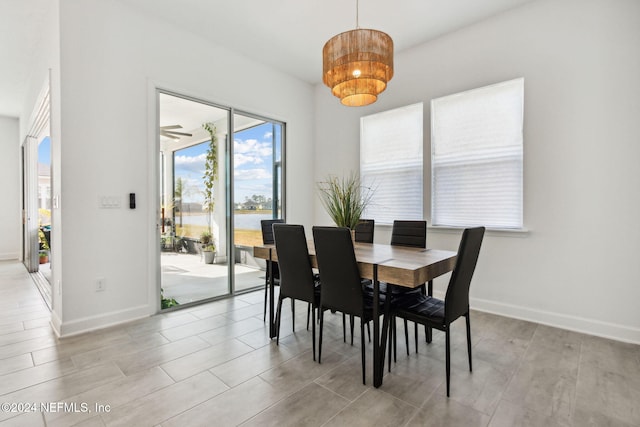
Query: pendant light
{"x": 357, "y": 65}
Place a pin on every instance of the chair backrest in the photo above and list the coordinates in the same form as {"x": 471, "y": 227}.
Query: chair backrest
{"x": 364, "y": 231}
{"x": 456, "y": 301}
{"x": 267, "y": 230}
{"x": 409, "y": 233}
{"x": 296, "y": 275}
{"x": 341, "y": 286}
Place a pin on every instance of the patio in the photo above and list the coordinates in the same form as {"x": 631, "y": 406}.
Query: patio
{"x": 186, "y": 278}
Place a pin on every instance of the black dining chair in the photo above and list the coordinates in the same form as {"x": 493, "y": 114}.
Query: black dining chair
{"x": 342, "y": 288}
{"x": 272, "y": 267}
{"x": 410, "y": 233}
{"x": 439, "y": 314}
{"x": 297, "y": 280}
{"x": 364, "y": 231}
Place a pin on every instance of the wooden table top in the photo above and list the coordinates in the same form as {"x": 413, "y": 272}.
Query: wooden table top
{"x": 409, "y": 267}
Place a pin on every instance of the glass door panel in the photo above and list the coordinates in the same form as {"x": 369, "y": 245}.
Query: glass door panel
{"x": 257, "y": 192}
{"x": 193, "y": 224}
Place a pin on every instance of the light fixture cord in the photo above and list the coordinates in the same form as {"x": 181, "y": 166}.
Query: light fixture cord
{"x": 357, "y": 17}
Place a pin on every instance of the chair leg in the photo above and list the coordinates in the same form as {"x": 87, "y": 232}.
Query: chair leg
{"x": 351, "y": 325}
{"x": 278, "y": 316}
{"x": 308, "y": 312}
{"x": 266, "y": 290}
{"x": 293, "y": 314}
{"x": 469, "y": 342}
{"x": 313, "y": 330}
{"x": 415, "y": 333}
{"x": 428, "y": 332}
{"x": 447, "y": 356}
{"x": 395, "y": 343}
{"x": 364, "y": 381}
{"x": 320, "y": 337}
{"x": 369, "y": 331}
{"x": 344, "y": 328}
{"x": 406, "y": 335}
{"x": 391, "y": 337}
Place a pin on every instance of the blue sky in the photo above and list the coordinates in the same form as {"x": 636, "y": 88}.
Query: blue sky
{"x": 44, "y": 151}
{"x": 252, "y": 160}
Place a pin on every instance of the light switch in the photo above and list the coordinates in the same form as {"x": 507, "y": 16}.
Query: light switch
{"x": 109, "y": 202}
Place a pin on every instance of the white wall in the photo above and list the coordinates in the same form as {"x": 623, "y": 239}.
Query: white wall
{"x": 111, "y": 60}
{"x": 577, "y": 267}
{"x": 10, "y": 221}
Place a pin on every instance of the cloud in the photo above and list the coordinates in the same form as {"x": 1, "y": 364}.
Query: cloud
{"x": 268, "y": 135}
{"x": 251, "y": 174}
{"x": 191, "y": 163}
{"x": 252, "y": 146}
{"x": 251, "y": 152}
{"x": 243, "y": 159}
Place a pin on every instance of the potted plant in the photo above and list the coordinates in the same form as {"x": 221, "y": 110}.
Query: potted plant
{"x": 205, "y": 238}
{"x": 344, "y": 199}
{"x": 209, "y": 252}
{"x": 43, "y": 253}
{"x": 208, "y": 248}
{"x": 167, "y": 302}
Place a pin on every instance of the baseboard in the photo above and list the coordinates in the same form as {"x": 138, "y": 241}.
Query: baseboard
{"x": 55, "y": 323}
{"x": 573, "y": 323}
{"x": 9, "y": 256}
{"x": 92, "y": 323}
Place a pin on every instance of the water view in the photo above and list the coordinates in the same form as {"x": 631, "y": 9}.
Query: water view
{"x": 241, "y": 221}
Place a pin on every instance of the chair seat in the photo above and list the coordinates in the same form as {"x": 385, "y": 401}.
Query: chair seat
{"x": 395, "y": 290}
{"x": 421, "y": 305}
{"x": 368, "y": 301}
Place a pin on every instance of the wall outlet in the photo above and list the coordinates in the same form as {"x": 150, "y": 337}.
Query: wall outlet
{"x": 100, "y": 284}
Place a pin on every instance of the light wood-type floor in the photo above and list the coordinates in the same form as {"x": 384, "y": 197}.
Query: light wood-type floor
{"x": 214, "y": 365}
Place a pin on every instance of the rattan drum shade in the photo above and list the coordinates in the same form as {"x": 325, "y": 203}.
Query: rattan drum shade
{"x": 357, "y": 65}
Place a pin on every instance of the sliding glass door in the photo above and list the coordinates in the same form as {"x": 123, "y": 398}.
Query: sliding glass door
{"x": 193, "y": 224}
{"x": 257, "y": 191}
{"x": 215, "y": 186}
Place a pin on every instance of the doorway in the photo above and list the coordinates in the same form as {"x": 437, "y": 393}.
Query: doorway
{"x": 36, "y": 197}
{"x": 193, "y": 149}
{"x": 214, "y": 186}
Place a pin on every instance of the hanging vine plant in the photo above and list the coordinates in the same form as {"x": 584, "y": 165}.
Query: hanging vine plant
{"x": 210, "y": 170}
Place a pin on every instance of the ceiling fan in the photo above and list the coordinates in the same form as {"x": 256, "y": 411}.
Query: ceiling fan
{"x": 169, "y": 132}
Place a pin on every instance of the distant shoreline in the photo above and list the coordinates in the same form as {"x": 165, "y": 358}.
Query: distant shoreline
{"x": 235, "y": 212}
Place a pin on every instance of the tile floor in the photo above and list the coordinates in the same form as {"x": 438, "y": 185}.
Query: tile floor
{"x": 214, "y": 365}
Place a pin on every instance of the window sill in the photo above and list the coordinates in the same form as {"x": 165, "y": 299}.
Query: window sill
{"x": 503, "y": 232}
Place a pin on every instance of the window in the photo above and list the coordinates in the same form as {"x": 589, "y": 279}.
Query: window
{"x": 476, "y": 157}
{"x": 391, "y": 163}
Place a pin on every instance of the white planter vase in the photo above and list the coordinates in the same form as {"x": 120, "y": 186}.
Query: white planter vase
{"x": 209, "y": 257}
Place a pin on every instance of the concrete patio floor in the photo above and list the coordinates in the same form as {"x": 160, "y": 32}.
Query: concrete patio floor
{"x": 186, "y": 278}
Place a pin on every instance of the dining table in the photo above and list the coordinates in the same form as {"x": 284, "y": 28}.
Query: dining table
{"x": 398, "y": 265}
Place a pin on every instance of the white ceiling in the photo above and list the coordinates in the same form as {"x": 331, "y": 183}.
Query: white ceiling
{"x": 191, "y": 115}
{"x": 285, "y": 34}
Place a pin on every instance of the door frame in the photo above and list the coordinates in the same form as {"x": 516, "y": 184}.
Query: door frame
{"x": 156, "y": 185}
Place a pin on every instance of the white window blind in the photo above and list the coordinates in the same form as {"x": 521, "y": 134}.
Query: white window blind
{"x": 476, "y": 157}
{"x": 391, "y": 163}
